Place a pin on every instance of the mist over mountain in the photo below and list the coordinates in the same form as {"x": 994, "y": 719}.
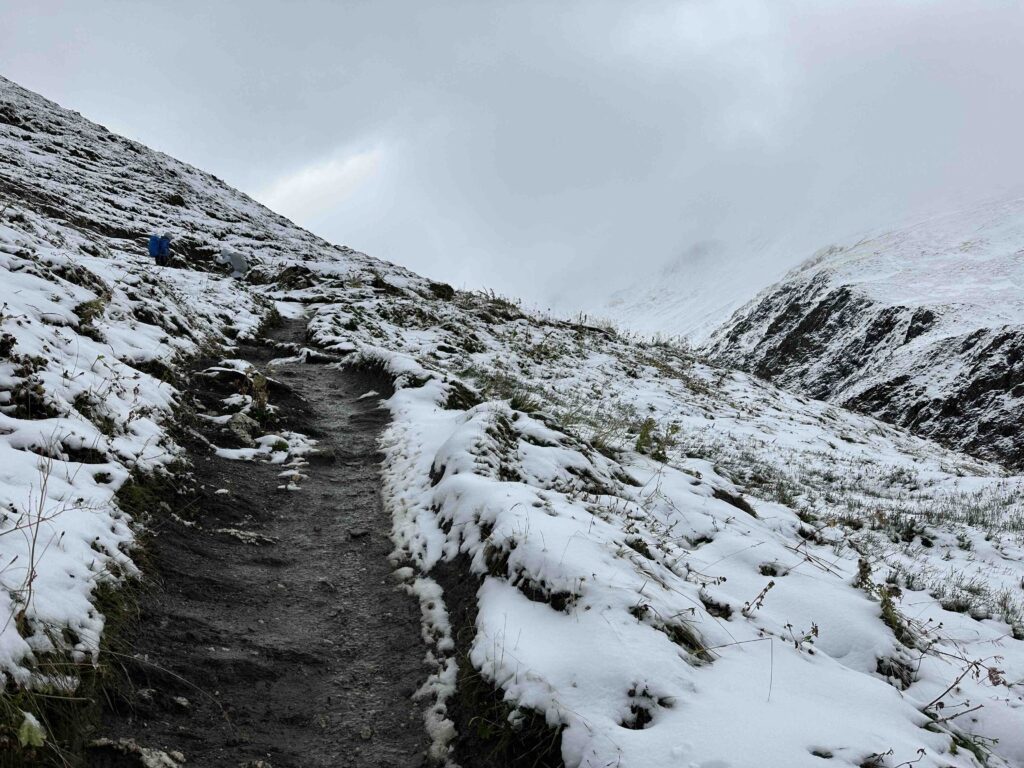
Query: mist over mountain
{"x": 694, "y": 293}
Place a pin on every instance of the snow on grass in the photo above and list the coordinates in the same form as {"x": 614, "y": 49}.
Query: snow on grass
{"x": 83, "y": 405}
{"x": 643, "y": 606}
{"x": 672, "y": 563}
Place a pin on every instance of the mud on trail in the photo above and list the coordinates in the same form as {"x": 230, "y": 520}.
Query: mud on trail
{"x": 297, "y": 650}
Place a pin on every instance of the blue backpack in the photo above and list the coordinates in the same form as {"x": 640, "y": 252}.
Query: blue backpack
{"x": 154, "y": 246}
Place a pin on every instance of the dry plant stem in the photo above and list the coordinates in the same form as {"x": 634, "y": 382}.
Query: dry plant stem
{"x": 206, "y": 694}
{"x": 972, "y": 666}
{"x": 958, "y": 714}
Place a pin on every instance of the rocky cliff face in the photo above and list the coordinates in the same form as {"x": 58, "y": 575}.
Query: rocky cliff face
{"x": 923, "y": 328}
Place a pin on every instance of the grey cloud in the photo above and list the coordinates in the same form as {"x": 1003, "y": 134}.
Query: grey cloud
{"x": 556, "y": 150}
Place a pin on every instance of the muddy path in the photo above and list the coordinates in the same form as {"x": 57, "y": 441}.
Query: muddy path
{"x": 295, "y": 650}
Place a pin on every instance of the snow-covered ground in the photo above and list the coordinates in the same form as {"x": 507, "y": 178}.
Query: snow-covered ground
{"x": 613, "y": 585}
{"x": 678, "y": 564}
{"x": 82, "y": 406}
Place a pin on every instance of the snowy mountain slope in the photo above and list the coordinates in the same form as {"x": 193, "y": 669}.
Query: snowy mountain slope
{"x": 586, "y": 489}
{"x": 695, "y": 293}
{"x": 922, "y": 327}
{"x": 90, "y": 335}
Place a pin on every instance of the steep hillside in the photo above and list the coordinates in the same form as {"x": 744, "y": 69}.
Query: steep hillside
{"x": 922, "y": 327}
{"x": 624, "y": 556}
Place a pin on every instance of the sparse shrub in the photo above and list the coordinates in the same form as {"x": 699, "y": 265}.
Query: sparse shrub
{"x": 894, "y": 619}
{"x": 442, "y": 291}
{"x": 88, "y": 313}
{"x": 784, "y": 494}
{"x": 639, "y": 545}
{"x": 523, "y": 401}
{"x": 654, "y": 442}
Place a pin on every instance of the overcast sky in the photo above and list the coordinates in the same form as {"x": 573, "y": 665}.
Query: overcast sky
{"x": 554, "y": 150}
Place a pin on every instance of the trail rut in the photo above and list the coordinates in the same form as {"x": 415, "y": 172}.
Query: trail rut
{"x": 297, "y": 651}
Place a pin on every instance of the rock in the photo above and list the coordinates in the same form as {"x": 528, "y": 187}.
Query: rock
{"x": 243, "y": 427}
{"x": 366, "y": 733}
{"x": 145, "y": 695}
{"x": 314, "y": 356}
{"x": 143, "y": 756}
{"x": 322, "y": 455}
{"x": 358, "y": 533}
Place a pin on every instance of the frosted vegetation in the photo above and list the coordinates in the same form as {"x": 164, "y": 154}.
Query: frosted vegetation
{"x": 671, "y": 563}
{"x": 597, "y": 486}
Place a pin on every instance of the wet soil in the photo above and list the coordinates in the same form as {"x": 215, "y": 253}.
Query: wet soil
{"x": 478, "y": 708}
{"x": 297, "y": 651}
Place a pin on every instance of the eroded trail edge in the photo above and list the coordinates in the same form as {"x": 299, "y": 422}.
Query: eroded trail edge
{"x": 276, "y": 633}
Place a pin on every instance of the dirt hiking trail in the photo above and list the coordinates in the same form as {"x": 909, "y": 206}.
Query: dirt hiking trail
{"x": 295, "y": 651}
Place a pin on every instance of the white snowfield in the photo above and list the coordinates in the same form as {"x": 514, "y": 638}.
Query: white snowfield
{"x": 971, "y": 261}
{"x": 677, "y": 565}
{"x": 693, "y": 294}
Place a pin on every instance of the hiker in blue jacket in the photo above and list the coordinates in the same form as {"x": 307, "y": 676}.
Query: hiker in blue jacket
{"x": 160, "y": 249}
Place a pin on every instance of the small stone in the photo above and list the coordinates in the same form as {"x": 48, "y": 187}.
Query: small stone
{"x": 322, "y": 455}
{"x": 358, "y": 533}
{"x": 366, "y": 733}
{"x": 243, "y": 427}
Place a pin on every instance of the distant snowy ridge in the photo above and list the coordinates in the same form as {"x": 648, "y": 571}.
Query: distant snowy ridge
{"x": 667, "y": 563}
{"x": 694, "y": 293}
{"x": 922, "y": 327}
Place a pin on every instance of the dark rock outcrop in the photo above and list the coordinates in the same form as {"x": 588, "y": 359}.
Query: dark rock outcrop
{"x": 951, "y": 370}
